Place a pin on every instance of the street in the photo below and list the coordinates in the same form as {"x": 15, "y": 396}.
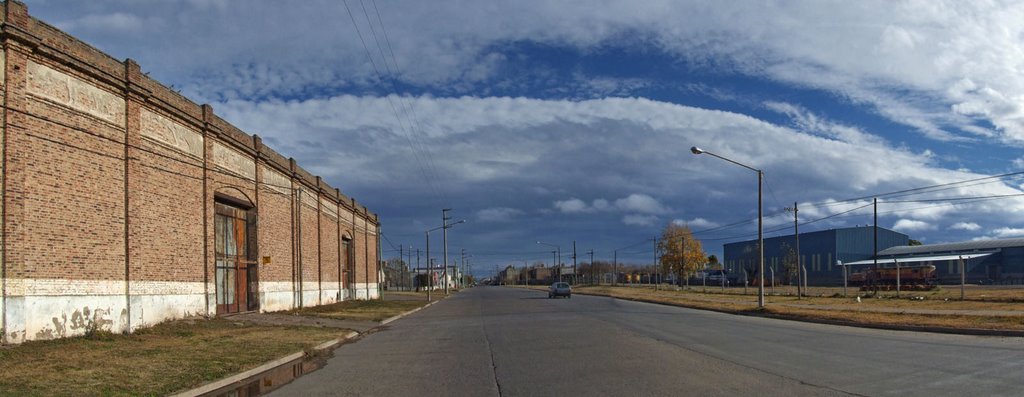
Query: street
{"x": 514, "y": 342}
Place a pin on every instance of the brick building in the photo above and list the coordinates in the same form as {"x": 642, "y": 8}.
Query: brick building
{"x": 125, "y": 204}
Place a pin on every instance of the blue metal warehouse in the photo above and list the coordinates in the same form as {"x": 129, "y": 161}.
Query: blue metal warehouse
{"x": 819, "y": 252}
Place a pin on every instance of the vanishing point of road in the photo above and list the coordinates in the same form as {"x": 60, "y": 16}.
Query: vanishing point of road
{"x": 494, "y": 341}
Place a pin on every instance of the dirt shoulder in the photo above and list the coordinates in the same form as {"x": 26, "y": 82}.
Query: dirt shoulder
{"x": 180, "y": 355}
{"x": 910, "y": 311}
{"x": 166, "y": 358}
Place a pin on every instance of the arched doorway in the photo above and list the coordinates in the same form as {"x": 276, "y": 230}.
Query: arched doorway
{"x": 236, "y": 276}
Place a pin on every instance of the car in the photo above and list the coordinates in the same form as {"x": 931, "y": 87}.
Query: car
{"x": 560, "y": 289}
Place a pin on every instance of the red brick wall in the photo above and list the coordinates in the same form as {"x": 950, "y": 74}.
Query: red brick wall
{"x": 86, "y": 180}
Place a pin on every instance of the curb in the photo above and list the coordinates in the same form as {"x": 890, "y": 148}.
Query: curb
{"x": 218, "y": 384}
{"x": 891, "y": 327}
{"x": 393, "y": 318}
{"x": 328, "y": 345}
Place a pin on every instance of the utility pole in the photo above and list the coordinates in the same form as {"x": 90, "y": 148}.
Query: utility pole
{"x": 593, "y": 270}
{"x": 876, "y": 233}
{"x": 615, "y": 268}
{"x": 656, "y": 268}
{"x": 430, "y": 269}
{"x": 418, "y": 270}
{"x": 444, "y": 233}
{"x": 799, "y": 266}
{"x": 462, "y": 270}
{"x": 575, "y": 277}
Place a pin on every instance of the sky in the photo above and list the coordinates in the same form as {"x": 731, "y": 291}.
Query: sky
{"x": 556, "y": 121}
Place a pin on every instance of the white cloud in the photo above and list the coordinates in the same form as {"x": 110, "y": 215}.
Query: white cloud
{"x": 115, "y": 22}
{"x": 968, "y": 226}
{"x": 910, "y": 225}
{"x": 639, "y": 220}
{"x": 635, "y": 202}
{"x": 498, "y": 214}
{"x": 1007, "y": 232}
{"x": 640, "y": 203}
{"x": 944, "y": 68}
{"x": 573, "y": 205}
{"x": 699, "y": 223}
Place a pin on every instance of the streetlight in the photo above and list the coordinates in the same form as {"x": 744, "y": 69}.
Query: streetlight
{"x": 558, "y": 251}
{"x": 760, "y": 236}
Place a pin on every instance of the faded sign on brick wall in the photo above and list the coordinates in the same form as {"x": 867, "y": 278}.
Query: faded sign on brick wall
{"x": 276, "y": 181}
{"x": 163, "y": 130}
{"x": 233, "y": 161}
{"x": 74, "y": 93}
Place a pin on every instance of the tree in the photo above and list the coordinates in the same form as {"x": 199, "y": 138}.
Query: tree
{"x": 713, "y": 261}
{"x": 673, "y": 252}
{"x": 789, "y": 263}
{"x": 914, "y": 242}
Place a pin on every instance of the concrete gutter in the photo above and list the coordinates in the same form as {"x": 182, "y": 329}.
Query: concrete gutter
{"x": 326, "y": 346}
{"x": 892, "y": 327}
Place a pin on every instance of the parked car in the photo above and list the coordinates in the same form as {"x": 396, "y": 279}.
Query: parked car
{"x": 560, "y": 289}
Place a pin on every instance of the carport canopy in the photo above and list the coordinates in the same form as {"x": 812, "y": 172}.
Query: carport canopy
{"x": 920, "y": 259}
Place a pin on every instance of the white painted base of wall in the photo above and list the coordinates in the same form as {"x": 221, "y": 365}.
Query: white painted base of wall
{"x": 49, "y": 309}
{"x": 362, "y": 292}
{"x": 329, "y": 296}
{"x": 49, "y": 317}
{"x": 149, "y": 310}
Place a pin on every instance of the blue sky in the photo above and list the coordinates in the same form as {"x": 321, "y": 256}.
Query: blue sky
{"x": 572, "y": 120}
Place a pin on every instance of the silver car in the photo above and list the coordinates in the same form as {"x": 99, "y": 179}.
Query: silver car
{"x": 560, "y": 289}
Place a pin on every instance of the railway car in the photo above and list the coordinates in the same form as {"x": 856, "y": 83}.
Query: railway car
{"x": 911, "y": 277}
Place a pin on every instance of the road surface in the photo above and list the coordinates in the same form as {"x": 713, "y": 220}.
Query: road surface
{"x": 491, "y": 341}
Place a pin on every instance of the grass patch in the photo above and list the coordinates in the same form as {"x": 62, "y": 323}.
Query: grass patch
{"x": 365, "y": 310}
{"x": 167, "y": 358}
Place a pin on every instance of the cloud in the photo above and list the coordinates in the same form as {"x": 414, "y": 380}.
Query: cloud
{"x": 640, "y": 203}
{"x": 573, "y": 205}
{"x": 954, "y": 82}
{"x": 910, "y": 225}
{"x": 1007, "y": 232}
{"x": 699, "y": 223}
{"x": 498, "y": 214}
{"x": 113, "y": 22}
{"x": 635, "y": 202}
{"x": 968, "y": 226}
{"x": 639, "y": 220}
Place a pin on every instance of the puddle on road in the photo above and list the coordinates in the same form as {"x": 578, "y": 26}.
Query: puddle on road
{"x": 272, "y": 379}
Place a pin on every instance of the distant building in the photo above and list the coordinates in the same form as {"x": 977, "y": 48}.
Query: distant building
{"x": 986, "y": 261}
{"x": 819, "y": 252}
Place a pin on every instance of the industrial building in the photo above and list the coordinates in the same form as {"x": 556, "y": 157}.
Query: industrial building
{"x": 124, "y": 204}
{"x": 819, "y": 253}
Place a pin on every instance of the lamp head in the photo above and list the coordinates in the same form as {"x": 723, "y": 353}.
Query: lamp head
{"x": 696, "y": 150}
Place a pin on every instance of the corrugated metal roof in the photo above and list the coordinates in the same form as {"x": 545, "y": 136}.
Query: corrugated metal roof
{"x": 918, "y": 259}
{"x": 980, "y": 245}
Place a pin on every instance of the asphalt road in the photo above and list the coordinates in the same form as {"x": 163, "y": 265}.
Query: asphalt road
{"x": 490, "y": 341}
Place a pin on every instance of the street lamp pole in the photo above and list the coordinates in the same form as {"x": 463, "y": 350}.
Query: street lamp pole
{"x": 760, "y": 221}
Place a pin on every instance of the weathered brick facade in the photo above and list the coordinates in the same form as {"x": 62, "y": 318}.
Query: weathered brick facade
{"x": 110, "y": 183}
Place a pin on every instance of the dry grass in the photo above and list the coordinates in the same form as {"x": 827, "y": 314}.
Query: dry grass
{"x": 169, "y": 357}
{"x": 868, "y": 311}
{"x": 365, "y": 310}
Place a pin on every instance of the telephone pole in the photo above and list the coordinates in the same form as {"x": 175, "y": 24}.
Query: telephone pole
{"x": 799, "y": 266}
{"x": 593, "y": 269}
